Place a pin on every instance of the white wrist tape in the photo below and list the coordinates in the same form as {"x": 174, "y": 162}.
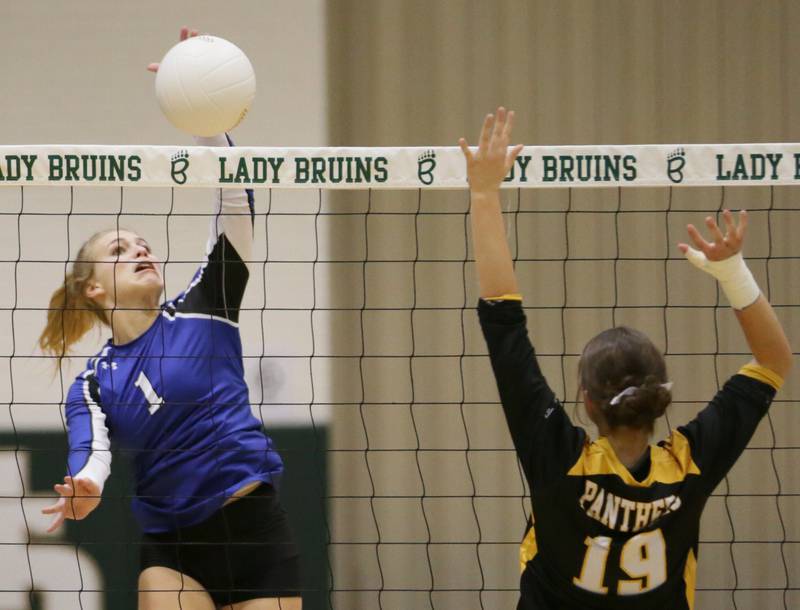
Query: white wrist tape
{"x": 96, "y": 469}
{"x": 733, "y": 275}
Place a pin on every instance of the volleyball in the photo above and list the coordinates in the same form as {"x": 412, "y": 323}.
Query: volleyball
{"x": 205, "y": 85}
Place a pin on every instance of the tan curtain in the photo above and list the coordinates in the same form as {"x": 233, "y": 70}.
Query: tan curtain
{"x": 418, "y": 72}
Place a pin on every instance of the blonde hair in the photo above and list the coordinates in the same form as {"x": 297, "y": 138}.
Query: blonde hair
{"x": 71, "y": 314}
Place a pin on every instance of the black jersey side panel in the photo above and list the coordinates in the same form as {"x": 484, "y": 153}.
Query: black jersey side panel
{"x": 721, "y": 431}
{"x": 218, "y": 286}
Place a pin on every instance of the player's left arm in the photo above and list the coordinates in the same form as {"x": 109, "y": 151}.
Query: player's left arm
{"x": 89, "y": 460}
{"x": 722, "y": 430}
{"x": 486, "y": 169}
{"x": 543, "y": 435}
{"x": 722, "y": 258}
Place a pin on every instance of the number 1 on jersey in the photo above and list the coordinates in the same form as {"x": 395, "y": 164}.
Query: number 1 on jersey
{"x": 593, "y": 570}
{"x": 155, "y": 401}
{"x": 643, "y": 558}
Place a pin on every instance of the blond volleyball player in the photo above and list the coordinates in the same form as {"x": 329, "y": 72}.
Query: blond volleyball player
{"x": 169, "y": 387}
{"x": 615, "y": 521}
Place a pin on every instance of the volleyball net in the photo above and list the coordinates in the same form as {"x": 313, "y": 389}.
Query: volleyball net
{"x": 366, "y": 364}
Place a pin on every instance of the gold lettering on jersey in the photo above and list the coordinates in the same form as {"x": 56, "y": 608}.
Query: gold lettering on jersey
{"x": 657, "y": 509}
{"x": 628, "y": 506}
{"x": 597, "y": 506}
{"x": 611, "y": 511}
{"x": 642, "y": 515}
{"x": 622, "y": 514}
{"x": 590, "y": 492}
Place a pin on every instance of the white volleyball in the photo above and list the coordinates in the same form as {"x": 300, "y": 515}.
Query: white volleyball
{"x": 205, "y": 85}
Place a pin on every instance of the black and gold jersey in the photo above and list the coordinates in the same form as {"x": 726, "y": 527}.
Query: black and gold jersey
{"x": 601, "y": 536}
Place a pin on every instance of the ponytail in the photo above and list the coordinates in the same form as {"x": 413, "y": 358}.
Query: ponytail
{"x": 71, "y": 314}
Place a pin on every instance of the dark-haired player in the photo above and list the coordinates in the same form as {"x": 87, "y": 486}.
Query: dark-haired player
{"x": 615, "y": 521}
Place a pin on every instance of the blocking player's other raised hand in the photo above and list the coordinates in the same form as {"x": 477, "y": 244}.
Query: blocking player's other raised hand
{"x": 721, "y": 257}
{"x": 491, "y": 162}
{"x": 486, "y": 168}
{"x": 721, "y": 246}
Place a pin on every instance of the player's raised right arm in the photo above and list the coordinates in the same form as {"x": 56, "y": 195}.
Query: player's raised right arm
{"x": 721, "y": 431}
{"x": 218, "y": 286}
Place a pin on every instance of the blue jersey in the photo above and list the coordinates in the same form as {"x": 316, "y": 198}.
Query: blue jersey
{"x": 175, "y": 398}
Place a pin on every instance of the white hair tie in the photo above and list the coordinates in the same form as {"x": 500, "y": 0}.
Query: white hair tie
{"x": 632, "y": 390}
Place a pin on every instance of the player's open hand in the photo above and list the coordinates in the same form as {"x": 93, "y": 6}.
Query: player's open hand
{"x": 721, "y": 246}
{"x": 78, "y": 498}
{"x": 185, "y": 33}
{"x": 487, "y": 167}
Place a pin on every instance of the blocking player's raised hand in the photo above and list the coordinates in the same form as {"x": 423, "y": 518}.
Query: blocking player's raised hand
{"x": 486, "y": 168}
{"x": 722, "y": 258}
{"x": 185, "y": 33}
{"x": 721, "y": 246}
{"x": 491, "y": 162}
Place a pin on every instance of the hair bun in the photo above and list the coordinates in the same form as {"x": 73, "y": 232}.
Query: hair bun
{"x": 640, "y": 408}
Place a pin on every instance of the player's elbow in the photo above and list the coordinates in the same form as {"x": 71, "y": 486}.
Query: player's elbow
{"x": 779, "y": 361}
{"x": 785, "y": 365}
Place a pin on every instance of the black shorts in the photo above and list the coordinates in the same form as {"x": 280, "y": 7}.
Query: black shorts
{"x": 243, "y": 551}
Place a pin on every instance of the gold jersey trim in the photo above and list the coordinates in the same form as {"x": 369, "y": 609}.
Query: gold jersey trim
{"x": 528, "y": 548}
{"x": 669, "y": 463}
{"x": 505, "y": 297}
{"x": 762, "y": 374}
{"x": 690, "y": 578}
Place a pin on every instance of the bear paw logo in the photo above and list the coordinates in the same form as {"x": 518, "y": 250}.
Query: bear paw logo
{"x": 180, "y": 163}
{"x": 676, "y": 160}
{"x": 426, "y": 163}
